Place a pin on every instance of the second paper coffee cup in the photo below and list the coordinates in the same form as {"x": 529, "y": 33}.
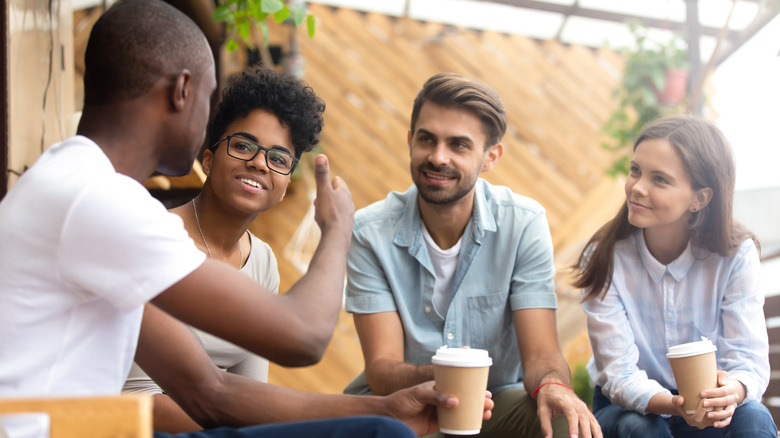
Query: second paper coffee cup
{"x": 695, "y": 369}
{"x": 462, "y": 372}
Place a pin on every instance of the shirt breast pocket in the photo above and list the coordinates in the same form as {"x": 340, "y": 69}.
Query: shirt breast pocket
{"x": 489, "y": 320}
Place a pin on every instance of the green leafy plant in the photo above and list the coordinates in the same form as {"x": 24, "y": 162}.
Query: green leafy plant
{"x": 580, "y": 383}
{"x": 241, "y": 15}
{"x": 644, "y": 73}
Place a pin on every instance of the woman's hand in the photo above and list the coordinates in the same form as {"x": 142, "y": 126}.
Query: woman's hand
{"x": 716, "y": 406}
{"x": 697, "y": 419}
{"x": 723, "y": 400}
{"x": 333, "y": 206}
{"x": 668, "y": 404}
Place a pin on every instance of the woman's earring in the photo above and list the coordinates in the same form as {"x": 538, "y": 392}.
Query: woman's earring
{"x": 695, "y": 219}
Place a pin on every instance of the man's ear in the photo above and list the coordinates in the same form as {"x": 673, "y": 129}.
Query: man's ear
{"x": 409, "y": 140}
{"x": 181, "y": 90}
{"x": 492, "y": 155}
{"x": 703, "y": 197}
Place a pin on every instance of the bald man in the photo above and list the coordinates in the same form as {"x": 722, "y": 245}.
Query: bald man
{"x": 86, "y": 249}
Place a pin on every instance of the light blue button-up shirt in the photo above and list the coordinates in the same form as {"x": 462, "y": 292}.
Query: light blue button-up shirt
{"x": 650, "y": 307}
{"x": 505, "y": 264}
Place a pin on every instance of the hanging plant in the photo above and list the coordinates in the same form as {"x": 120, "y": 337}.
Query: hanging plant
{"x": 647, "y": 91}
{"x": 241, "y": 15}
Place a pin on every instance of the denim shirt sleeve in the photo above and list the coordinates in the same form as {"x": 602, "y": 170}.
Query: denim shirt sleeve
{"x": 534, "y": 272}
{"x": 367, "y": 288}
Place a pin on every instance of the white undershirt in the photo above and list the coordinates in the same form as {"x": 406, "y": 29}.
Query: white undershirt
{"x": 444, "y": 261}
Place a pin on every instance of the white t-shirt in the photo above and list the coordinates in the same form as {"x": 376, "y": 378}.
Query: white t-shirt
{"x": 444, "y": 262}
{"x": 261, "y": 266}
{"x": 83, "y": 248}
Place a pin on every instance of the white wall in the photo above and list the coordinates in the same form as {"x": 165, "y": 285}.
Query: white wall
{"x": 759, "y": 210}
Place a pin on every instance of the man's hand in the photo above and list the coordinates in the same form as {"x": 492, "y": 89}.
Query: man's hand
{"x": 334, "y": 208}
{"x": 557, "y": 399}
{"x": 543, "y": 362}
{"x": 416, "y": 406}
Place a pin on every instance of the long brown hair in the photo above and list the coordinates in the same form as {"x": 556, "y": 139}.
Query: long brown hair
{"x": 707, "y": 157}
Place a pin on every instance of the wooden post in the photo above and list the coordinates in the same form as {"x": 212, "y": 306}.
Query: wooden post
{"x": 4, "y": 100}
{"x": 694, "y": 55}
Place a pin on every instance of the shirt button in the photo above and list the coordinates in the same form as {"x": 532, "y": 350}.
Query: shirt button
{"x": 450, "y": 336}
{"x": 669, "y": 315}
{"x": 427, "y": 309}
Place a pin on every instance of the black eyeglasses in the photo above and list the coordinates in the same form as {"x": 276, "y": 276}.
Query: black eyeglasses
{"x": 240, "y": 148}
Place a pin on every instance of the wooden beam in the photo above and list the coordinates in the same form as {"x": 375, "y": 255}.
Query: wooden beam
{"x": 694, "y": 54}
{"x": 565, "y": 21}
{"x": 4, "y": 100}
{"x": 764, "y": 16}
{"x": 597, "y": 14}
{"x": 733, "y": 39}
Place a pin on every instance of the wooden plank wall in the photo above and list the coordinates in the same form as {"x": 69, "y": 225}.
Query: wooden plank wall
{"x": 369, "y": 67}
{"x": 772, "y": 394}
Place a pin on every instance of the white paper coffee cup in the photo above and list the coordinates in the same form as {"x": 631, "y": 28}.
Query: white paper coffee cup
{"x": 695, "y": 369}
{"x": 463, "y": 373}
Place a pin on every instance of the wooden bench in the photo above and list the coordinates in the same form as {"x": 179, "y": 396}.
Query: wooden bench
{"x": 125, "y": 416}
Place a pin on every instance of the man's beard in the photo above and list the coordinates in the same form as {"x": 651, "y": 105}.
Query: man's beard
{"x": 438, "y": 195}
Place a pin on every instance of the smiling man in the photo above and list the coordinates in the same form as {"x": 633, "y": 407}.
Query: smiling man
{"x": 457, "y": 261}
{"x": 94, "y": 271}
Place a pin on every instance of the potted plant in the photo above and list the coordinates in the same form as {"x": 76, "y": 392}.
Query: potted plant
{"x": 241, "y": 15}
{"x": 655, "y": 79}
{"x": 662, "y": 66}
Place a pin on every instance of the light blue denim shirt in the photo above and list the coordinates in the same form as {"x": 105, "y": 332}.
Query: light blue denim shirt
{"x": 505, "y": 264}
{"x": 650, "y": 307}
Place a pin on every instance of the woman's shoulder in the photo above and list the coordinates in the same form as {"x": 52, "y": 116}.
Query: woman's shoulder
{"x": 631, "y": 243}
{"x": 261, "y": 264}
{"x": 258, "y": 244}
{"x": 748, "y": 246}
{"x": 747, "y": 249}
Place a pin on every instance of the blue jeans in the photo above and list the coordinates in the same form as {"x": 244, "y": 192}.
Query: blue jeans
{"x": 358, "y": 427}
{"x": 751, "y": 420}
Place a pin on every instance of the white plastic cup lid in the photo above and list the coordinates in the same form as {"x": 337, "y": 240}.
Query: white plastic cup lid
{"x": 462, "y": 357}
{"x": 691, "y": 349}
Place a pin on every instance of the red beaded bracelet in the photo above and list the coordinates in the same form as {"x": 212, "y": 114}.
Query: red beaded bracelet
{"x": 549, "y": 383}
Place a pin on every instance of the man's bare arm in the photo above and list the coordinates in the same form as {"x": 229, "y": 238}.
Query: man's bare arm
{"x": 382, "y": 340}
{"x": 167, "y": 416}
{"x": 292, "y": 329}
{"x": 543, "y": 362}
{"x": 173, "y": 357}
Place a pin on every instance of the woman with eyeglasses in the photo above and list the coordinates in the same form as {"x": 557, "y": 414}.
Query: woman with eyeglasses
{"x": 262, "y": 125}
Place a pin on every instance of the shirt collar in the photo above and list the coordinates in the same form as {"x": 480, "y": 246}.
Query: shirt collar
{"x": 410, "y": 232}
{"x": 482, "y": 217}
{"x": 678, "y": 268}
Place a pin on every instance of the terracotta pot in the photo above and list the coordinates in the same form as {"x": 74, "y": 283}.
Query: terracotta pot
{"x": 675, "y": 86}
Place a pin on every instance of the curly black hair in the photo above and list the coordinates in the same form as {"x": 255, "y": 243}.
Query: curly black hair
{"x": 287, "y": 97}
